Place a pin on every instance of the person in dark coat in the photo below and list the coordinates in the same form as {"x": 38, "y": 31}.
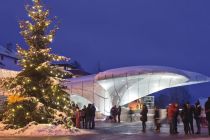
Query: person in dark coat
{"x": 144, "y": 117}
{"x": 118, "y": 113}
{"x": 191, "y": 112}
{"x": 114, "y": 113}
{"x": 197, "y": 116}
{"x": 83, "y": 116}
{"x": 175, "y": 119}
{"x": 157, "y": 119}
{"x": 185, "y": 118}
{"x": 88, "y": 117}
{"x": 92, "y": 116}
{"x": 207, "y": 110}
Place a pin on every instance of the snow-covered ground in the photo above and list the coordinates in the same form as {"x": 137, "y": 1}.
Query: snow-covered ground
{"x": 42, "y": 130}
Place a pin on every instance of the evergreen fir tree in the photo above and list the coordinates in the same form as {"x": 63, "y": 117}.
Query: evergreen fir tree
{"x": 35, "y": 93}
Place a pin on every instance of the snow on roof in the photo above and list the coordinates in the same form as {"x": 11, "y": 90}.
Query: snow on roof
{"x": 82, "y": 78}
{"x": 5, "y": 51}
{"x": 137, "y": 70}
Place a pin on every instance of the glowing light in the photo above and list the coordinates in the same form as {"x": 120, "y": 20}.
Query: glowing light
{"x": 50, "y": 38}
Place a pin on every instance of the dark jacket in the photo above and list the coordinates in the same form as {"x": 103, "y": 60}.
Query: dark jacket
{"x": 119, "y": 110}
{"x": 191, "y": 112}
{"x": 92, "y": 111}
{"x": 207, "y": 110}
{"x": 114, "y": 111}
{"x": 197, "y": 111}
{"x": 185, "y": 114}
{"x": 144, "y": 114}
{"x": 157, "y": 114}
{"x": 88, "y": 111}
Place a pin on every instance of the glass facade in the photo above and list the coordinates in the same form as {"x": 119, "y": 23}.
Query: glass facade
{"x": 124, "y": 85}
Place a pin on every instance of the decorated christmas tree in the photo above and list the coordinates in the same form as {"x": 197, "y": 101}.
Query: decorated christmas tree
{"x": 35, "y": 94}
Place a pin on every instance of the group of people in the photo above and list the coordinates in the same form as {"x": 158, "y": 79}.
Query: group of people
{"x": 188, "y": 114}
{"x": 115, "y": 114}
{"x": 85, "y": 117}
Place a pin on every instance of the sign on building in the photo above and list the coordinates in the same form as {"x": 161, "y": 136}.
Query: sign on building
{"x": 149, "y": 101}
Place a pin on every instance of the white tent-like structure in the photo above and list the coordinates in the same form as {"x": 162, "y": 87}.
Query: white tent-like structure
{"x": 124, "y": 85}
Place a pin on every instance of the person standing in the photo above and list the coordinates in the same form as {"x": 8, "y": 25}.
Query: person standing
{"x": 207, "y": 110}
{"x": 78, "y": 118}
{"x": 170, "y": 115}
{"x": 157, "y": 119}
{"x": 175, "y": 119}
{"x": 197, "y": 116}
{"x": 83, "y": 116}
{"x": 88, "y": 117}
{"x": 144, "y": 117}
{"x": 203, "y": 118}
{"x": 191, "y": 112}
{"x": 130, "y": 114}
{"x": 118, "y": 113}
{"x": 185, "y": 118}
{"x": 92, "y": 116}
{"x": 114, "y": 113}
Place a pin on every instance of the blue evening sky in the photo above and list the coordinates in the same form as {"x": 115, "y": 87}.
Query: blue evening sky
{"x": 119, "y": 33}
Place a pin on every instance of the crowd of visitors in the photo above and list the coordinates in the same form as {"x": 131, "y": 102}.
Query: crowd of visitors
{"x": 85, "y": 117}
{"x": 188, "y": 114}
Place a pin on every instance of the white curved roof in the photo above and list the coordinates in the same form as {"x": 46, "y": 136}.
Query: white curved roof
{"x": 139, "y": 70}
{"x": 123, "y": 85}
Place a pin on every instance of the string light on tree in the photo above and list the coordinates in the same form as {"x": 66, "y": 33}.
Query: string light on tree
{"x": 37, "y": 94}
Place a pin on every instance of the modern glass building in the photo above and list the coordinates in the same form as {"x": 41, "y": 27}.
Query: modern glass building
{"x": 123, "y": 85}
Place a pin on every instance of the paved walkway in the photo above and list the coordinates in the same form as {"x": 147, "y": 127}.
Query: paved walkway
{"x": 126, "y": 131}
{"x": 132, "y": 131}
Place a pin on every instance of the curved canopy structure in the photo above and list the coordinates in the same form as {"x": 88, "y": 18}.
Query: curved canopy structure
{"x": 124, "y": 85}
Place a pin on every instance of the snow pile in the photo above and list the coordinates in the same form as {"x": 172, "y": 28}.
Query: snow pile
{"x": 41, "y": 130}
{"x": 46, "y": 130}
{"x": 7, "y": 73}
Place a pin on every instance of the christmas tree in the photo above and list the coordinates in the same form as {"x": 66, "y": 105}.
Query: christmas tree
{"x": 35, "y": 93}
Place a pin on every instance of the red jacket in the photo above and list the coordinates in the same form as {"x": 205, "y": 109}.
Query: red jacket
{"x": 171, "y": 112}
